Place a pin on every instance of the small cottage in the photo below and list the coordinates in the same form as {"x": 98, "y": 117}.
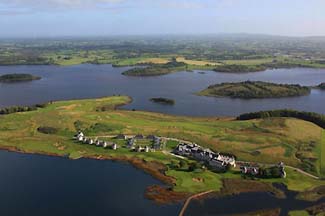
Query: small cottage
{"x": 139, "y": 136}
{"x": 121, "y": 136}
{"x": 90, "y": 142}
{"x": 151, "y": 137}
{"x": 98, "y": 143}
{"x": 131, "y": 143}
{"x": 157, "y": 143}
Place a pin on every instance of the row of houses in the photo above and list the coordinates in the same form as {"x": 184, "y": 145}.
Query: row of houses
{"x": 81, "y": 138}
{"x": 214, "y": 160}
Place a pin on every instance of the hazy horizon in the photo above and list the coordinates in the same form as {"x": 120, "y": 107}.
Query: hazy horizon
{"x": 100, "y": 18}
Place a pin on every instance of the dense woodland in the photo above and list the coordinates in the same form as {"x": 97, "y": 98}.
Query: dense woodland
{"x": 316, "y": 118}
{"x": 15, "y": 109}
{"x": 255, "y": 89}
{"x": 155, "y": 70}
{"x": 233, "y": 68}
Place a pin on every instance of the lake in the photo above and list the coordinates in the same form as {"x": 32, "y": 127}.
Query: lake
{"x": 249, "y": 202}
{"x": 88, "y": 81}
{"x": 43, "y": 185}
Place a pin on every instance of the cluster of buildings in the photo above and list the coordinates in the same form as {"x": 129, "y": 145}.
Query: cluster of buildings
{"x": 250, "y": 170}
{"x": 81, "y": 138}
{"x": 214, "y": 160}
{"x": 157, "y": 142}
{"x": 257, "y": 171}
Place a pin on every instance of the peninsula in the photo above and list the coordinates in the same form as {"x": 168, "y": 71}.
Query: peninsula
{"x": 255, "y": 89}
{"x": 183, "y": 152}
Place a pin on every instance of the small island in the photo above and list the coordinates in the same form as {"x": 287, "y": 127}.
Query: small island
{"x": 158, "y": 69}
{"x": 256, "y": 89}
{"x": 235, "y": 68}
{"x": 8, "y": 78}
{"x": 161, "y": 100}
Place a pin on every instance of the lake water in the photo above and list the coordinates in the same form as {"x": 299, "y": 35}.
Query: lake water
{"x": 249, "y": 202}
{"x": 88, "y": 81}
{"x": 42, "y": 185}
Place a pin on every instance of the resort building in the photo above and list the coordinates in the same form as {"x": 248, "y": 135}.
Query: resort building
{"x": 90, "y": 142}
{"x": 131, "y": 143}
{"x": 121, "y": 136}
{"x": 214, "y": 160}
{"x": 98, "y": 142}
{"x": 276, "y": 171}
{"x": 250, "y": 170}
{"x": 157, "y": 143}
{"x": 79, "y": 136}
{"x": 151, "y": 137}
{"x": 139, "y": 136}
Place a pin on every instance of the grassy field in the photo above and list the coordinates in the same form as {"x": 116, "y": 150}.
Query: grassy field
{"x": 320, "y": 151}
{"x": 266, "y": 141}
{"x": 248, "y": 61}
{"x": 155, "y": 60}
{"x": 196, "y": 62}
{"x": 298, "y": 213}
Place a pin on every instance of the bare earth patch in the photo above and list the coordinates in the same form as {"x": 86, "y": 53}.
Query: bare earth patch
{"x": 198, "y": 180}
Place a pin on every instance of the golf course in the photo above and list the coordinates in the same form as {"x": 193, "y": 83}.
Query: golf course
{"x": 50, "y": 130}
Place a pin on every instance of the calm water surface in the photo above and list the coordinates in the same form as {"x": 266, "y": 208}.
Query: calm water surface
{"x": 87, "y": 81}
{"x": 42, "y": 185}
{"x": 249, "y": 202}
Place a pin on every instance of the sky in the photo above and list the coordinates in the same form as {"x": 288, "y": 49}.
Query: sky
{"x": 51, "y": 18}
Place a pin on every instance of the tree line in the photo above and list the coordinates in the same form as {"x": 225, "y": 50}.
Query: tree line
{"x": 15, "y": 109}
{"x": 315, "y": 118}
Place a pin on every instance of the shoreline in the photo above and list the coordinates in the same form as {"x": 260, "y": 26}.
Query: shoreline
{"x": 149, "y": 168}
